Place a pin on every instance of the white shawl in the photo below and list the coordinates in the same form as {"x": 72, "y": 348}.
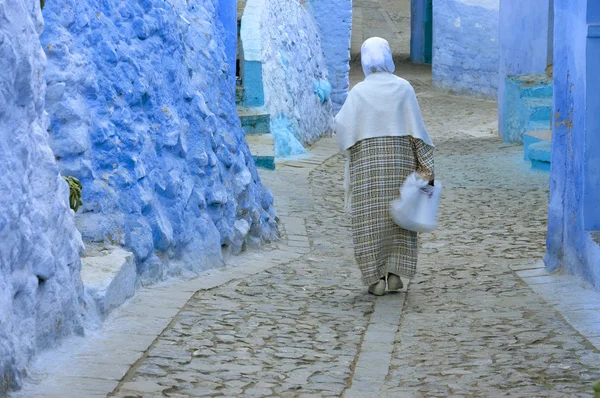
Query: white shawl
{"x": 383, "y": 105}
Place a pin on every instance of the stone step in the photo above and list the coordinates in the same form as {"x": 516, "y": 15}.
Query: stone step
{"x": 262, "y": 147}
{"x": 534, "y": 85}
{"x": 540, "y": 154}
{"x": 532, "y": 137}
{"x": 239, "y": 95}
{"x": 254, "y": 120}
{"x": 539, "y": 125}
{"x": 109, "y": 277}
{"x": 540, "y": 109}
{"x": 527, "y": 105}
{"x": 540, "y": 90}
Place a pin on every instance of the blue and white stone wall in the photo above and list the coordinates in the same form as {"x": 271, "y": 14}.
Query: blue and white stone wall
{"x": 143, "y": 113}
{"x": 574, "y": 196}
{"x": 295, "y": 76}
{"x": 466, "y": 47}
{"x": 40, "y": 283}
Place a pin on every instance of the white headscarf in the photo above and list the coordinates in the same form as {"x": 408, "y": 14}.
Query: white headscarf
{"x": 376, "y": 56}
{"x": 383, "y": 105}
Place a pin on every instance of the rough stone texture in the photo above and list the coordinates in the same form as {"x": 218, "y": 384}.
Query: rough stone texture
{"x": 143, "y": 113}
{"x": 228, "y": 12}
{"x": 466, "y": 47}
{"x": 574, "y": 188}
{"x": 293, "y": 61}
{"x": 334, "y": 20}
{"x": 40, "y": 284}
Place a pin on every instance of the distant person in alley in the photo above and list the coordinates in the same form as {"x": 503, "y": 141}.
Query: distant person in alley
{"x": 381, "y": 130}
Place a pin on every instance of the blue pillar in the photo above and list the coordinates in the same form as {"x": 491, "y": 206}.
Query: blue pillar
{"x": 591, "y": 165}
{"x": 228, "y": 17}
{"x": 418, "y": 10}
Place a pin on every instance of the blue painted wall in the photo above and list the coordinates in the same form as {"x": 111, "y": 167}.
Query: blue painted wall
{"x": 143, "y": 113}
{"x": 251, "y": 54}
{"x": 466, "y": 47}
{"x": 524, "y": 43}
{"x": 228, "y": 18}
{"x": 570, "y": 246}
{"x": 334, "y": 20}
{"x": 40, "y": 285}
{"x": 298, "y": 94}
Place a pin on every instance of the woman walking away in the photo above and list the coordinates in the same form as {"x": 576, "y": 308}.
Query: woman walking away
{"x": 381, "y": 130}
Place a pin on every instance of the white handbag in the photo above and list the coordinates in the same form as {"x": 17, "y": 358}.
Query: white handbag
{"x": 417, "y": 208}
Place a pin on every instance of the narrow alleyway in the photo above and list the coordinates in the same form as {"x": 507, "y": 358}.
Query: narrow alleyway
{"x": 295, "y": 321}
{"x": 467, "y": 326}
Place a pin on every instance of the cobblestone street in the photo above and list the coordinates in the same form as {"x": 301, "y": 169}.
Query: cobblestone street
{"x": 467, "y": 326}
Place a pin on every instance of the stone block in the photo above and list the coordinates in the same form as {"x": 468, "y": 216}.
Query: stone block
{"x": 109, "y": 276}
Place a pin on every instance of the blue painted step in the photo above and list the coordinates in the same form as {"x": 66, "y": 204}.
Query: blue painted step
{"x": 533, "y": 137}
{"x": 527, "y": 106}
{"x": 540, "y": 109}
{"x": 239, "y": 94}
{"x": 262, "y": 147}
{"x": 540, "y": 155}
{"x": 254, "y": 120}
{"x": 257, "y": 128}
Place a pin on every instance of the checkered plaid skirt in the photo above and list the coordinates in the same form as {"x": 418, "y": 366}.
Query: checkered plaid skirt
{"x": 378, "y": 168}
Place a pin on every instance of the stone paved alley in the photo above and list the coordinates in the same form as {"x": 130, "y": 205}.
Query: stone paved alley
{"x": 294, "y": 320}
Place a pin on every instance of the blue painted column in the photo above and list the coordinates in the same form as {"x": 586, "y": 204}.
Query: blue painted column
{"x": 591, "y": 167}
{"x": 573, "y": 212}
{"x": 228, "y": 17}
{"x": 418, "y": 10}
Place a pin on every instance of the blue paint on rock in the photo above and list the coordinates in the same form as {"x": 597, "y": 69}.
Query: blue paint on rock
{"x": 322, "y": 89}
{"x": 143, "y": 113}
{"x": 293, "y": 57}
{"x": 40, "y": 284}
{"x": 465, "y": 47}
{"x": 570, "y": 243}
{"x": 286, "y": 142}
{"x": 228, "y": 17}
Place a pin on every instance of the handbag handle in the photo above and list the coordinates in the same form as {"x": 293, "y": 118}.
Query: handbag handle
{"x": 414, "y": 149}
